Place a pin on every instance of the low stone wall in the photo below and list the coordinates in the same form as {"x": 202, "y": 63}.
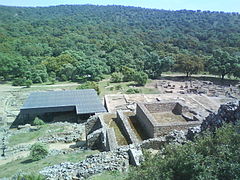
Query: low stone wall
{"x": 153, "y": 143}
{"x": 127, "y": 131}
{"x": 93, "y": 164}
{"x": 111, "y": 141}
{"x": 145, "y": 120}
{"x": 155, "y": 129}
{"x": 160, "y": 107}
{"x": 162, "y": 130}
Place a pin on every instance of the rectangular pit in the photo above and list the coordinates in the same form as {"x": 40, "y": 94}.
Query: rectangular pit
{"x": 158, "y": 119}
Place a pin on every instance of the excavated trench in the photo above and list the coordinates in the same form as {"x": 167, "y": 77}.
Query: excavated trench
{"x": 110, "y": 120}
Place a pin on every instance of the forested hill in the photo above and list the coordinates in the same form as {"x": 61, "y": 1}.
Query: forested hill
{"x": 74, "y": 41}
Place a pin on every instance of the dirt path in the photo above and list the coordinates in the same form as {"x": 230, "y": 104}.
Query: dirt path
{"x": 60, "y": 146}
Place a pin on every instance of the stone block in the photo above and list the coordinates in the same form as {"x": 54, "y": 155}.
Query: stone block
{"x": 135, "y": 156}
{"x": 123, "y": 123}
{"x": 24, "y": 126}
{"x": 111, "y": 141}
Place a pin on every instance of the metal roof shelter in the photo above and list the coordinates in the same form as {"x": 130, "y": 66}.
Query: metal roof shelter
{"x": 85, "y": 101}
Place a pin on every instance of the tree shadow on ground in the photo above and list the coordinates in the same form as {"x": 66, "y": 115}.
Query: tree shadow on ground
{"x": 3, "y": 82}
{"x": 134, "y": 85}
{"x": 27, "y": 161}
{"x": 214, "y": 80}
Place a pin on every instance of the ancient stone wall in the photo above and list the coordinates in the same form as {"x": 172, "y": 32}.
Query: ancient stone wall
{"x": 160, "y": 107}
{"x": 99, "y": 135}
{"x": 153, "y": 143}
{"x": 127, "y": 131}
{"x": 145, "y": 120}
{"x": 93, "y": 124}
{"x": 164, "y": 130}
{"x": 154, "y": 129}
{"x": 111, "y": 141}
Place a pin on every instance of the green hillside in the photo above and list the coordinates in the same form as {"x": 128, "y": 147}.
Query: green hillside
{"x": 84, "y": 42}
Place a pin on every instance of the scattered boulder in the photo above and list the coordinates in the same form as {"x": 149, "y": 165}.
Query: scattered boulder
{"x": 24, "y": 126}
{"x": 135, "y": 156}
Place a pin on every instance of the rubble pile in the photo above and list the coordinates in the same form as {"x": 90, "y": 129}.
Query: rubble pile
{"x": 94, "y": 164}
{"x": 229, "y": 112}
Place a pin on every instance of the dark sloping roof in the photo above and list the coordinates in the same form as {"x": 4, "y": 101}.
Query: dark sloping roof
{"x": 85, "y": 101}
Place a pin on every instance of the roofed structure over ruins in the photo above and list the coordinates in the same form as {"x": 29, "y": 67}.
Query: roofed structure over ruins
{"x": 85, "y": 101}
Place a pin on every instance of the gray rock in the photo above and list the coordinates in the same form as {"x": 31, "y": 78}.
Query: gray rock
{"x": 135, "y": 156}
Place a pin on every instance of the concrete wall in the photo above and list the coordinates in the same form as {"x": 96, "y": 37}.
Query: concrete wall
{"x": 125, "y": 127}
{"x": 145, "y": 120}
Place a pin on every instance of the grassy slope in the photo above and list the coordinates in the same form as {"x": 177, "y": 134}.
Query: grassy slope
{"x": 29, "y": 136}
{"x": 113, "y": 175}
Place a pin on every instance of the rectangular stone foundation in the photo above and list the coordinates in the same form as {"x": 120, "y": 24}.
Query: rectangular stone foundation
{"x": 159, "y": 119}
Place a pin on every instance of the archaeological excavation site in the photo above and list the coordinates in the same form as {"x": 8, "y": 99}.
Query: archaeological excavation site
{"x": 111, "y": 131}
{"x": 133, "y": 119}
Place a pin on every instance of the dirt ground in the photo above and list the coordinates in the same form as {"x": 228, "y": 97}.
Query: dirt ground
{"x": 208, "y": 96}
{"x": 170, "y": 89}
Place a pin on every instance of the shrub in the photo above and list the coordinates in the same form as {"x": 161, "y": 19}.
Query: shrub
{"x": 36, "y": 78}
{"x": 90, "y": 85}
{"x": 28, "y": 83}
{"x": 19, "y": 82}
{"x": 141, "y": 78}
{"x": 128, "y": 74}
{"x": 31, "y": 177}
{"x": 52, "y": 80}
{"x": 38, "y": 151}
{"x": 132, "y": 91}
{"x": 38, "y": 122}
{"x": 118, "y": 87}
{"x": 116, "y": 77}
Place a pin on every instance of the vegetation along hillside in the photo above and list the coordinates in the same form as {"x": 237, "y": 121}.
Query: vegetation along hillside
{"x": 84, "y": 42}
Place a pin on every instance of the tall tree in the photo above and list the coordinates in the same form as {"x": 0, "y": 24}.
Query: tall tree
{"x": 189, "y": 64}
{"x": 222, "y": 63}
{"x": 155, "y": 65}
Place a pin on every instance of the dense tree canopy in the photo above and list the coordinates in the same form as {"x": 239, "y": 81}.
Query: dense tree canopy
{"x": 76, "y": 42}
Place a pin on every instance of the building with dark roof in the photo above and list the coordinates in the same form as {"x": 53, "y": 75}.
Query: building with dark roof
{"x": 83, "y": 102}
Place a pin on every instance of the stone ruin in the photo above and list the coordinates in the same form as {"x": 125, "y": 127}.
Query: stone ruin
{"x": 120, "y": 157}
{"x": 108, "y": 131}
{"x": 158, "y": 119}
{"x": 198, "y": 87}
